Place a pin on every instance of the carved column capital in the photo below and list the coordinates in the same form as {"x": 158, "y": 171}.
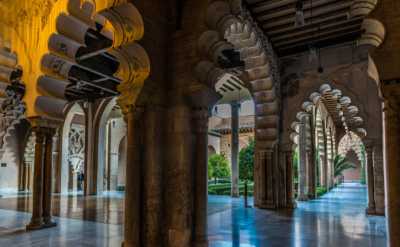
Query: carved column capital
{"x": 44, "y": 126}
{"x": 200, "y": 117}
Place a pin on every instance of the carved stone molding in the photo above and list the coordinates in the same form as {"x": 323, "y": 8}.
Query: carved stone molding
{"x": 133, "y": 71}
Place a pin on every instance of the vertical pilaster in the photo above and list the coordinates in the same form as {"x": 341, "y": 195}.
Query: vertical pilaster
{"x": 311, "y": 175}
{"x": 57, "y": 161}
{"x": 323, "y": 170}
{"x": 288, "y": 155}
{"x": 153, "y": 163}
{"x": 133, "y": 188}
{"x": 201, "y": 177}
{"x": 379, "y": 187}
{"x": 303, "y": 190}
{"x": 392, "y": 168}
{"x": 235, "y": 148}
{"x": 370, "y": 177}
{"x": 178, "y": 189}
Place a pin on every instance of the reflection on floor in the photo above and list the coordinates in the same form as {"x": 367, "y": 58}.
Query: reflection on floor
{"x": 337, "y": 219}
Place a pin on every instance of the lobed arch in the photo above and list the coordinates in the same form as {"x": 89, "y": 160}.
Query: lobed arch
{"x": 72, "y": 110}
{"x": 351, "y": 141}
{"x": 240, "y": 35}
{"x": 101, "y": 119}
{"x": 334, "y": 98}
{"x": 12, "y": 108}
{"x": 47, "y": 78}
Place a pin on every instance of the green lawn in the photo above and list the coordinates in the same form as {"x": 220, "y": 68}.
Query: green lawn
{"x": 225, "y": 188}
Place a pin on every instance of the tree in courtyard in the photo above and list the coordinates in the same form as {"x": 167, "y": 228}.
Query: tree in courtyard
{"x": 246, "y": 166}
{"x": 246, "y": 161}
{"x": 340, "y": 164}
{"x": 218, "y": 167}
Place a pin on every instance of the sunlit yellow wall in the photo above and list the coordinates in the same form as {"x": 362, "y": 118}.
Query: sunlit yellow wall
{"x": 27, "y": 26}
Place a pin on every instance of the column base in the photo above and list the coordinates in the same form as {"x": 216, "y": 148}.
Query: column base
{"x": 311, "y": 196}
{"x": 200, "y": 243}
{"x": 235, "y": 194}
{"x": 303, "y": 198}
{"x": 36, "y": 224}
{"x": 291, "y": 205}
{"x": 370, "y": 210}
{"x": 267, "y": 205}
{"x": 49, "y": 223}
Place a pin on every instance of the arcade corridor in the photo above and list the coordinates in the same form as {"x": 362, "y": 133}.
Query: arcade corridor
{"x": 336, "y": 219}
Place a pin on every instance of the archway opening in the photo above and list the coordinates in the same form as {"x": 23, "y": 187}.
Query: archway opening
{"x": 111, "y": 149}
{"x": 73, "y": 151}
{"x": 353, "y": 149}
{"x": 319, "y": 165}
{"x": 231, "y": 140}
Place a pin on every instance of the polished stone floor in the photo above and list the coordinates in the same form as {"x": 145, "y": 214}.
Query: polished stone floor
{"x": 336, "y": 219}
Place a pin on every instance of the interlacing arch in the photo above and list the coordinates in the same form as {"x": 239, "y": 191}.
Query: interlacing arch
{"x": 351, "y": 141}
{"x": 12, "y": 108}
{"x": 66, "y": 47}
{"x": 339, "y": 108}
{"x": 239, "y": 33}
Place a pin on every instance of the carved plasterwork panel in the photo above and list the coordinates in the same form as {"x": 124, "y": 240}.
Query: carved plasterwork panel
{"x": 76, "y": 148}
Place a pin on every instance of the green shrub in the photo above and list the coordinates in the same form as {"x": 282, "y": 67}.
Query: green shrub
{"x": 321, "y": 191}
{"x": 225, "y": 189}
{"x": 218, "y": 167}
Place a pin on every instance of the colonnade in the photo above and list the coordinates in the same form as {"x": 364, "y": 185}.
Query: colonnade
{"x": 42, "y": 180}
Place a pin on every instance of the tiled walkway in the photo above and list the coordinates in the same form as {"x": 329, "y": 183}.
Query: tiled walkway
{"x": 337, "y": 219}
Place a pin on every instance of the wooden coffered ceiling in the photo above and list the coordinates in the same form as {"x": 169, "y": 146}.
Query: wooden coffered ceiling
{"x": 327, "y": 23}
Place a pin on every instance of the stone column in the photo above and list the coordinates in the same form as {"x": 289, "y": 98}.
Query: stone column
{"x": 379, "y": 187}
{"x": 153, "y": 163}
{"x": 290, "y": 202}
{"x": 57, "y": 161}
{"x": 201, "y": 178}
{"x": 235, "y": 148}
{"x": 311, "y": 175}
{"x": 37, "y": 193}
{"x": 323, "y": 170}
{"x": 42, "y": 184}
{"x": 370, "y": 177}
{"x": 47, "y": 188}
{"x": 179, "y": 176}
{"x": 303, "y": 190}
{"x": 392, "y": 168}
{"x": 133, "y": 188}
{"x": 90, "y": 175}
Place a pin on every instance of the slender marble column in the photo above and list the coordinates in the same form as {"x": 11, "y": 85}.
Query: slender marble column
{"x": 201, "y": 180}
{"x": 57, "y": 161}
{"x": 302, "y": 194}
{"x": 370, "y": 178}
{"x": 235, "y": 148}
{"x": 23, "y": 178}
{"x": 90, "y": 175}
{"x": 37, "y": 194}
{"x": 47, "y": 182}
{"x": 133, "y": 187}
{"x": 392, "y": 169}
